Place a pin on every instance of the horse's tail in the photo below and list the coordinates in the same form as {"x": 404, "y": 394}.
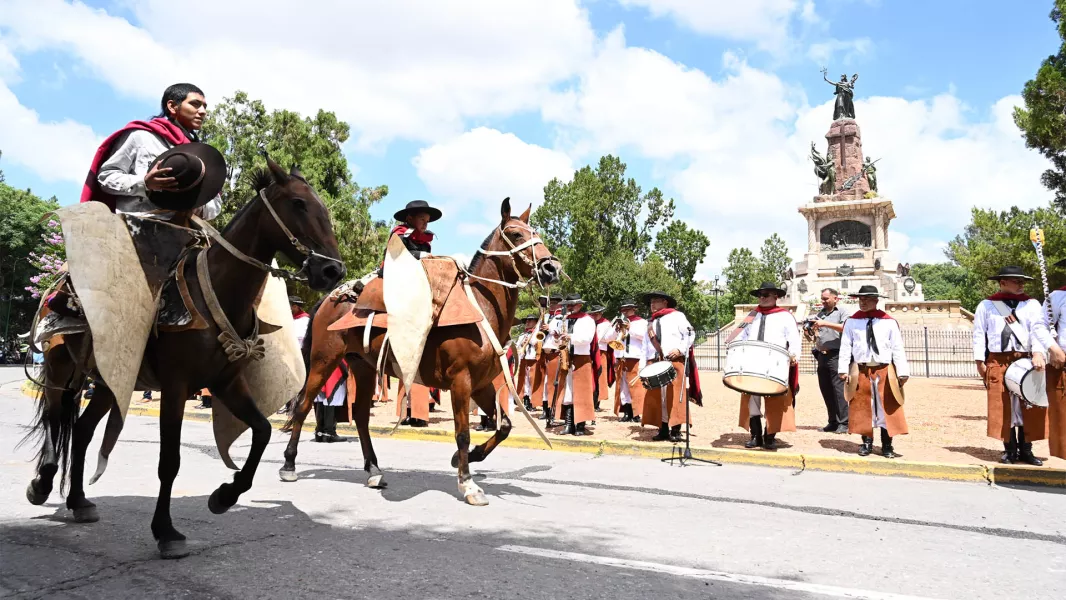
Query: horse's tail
{"x": 305, "y": 352}
{"x": 54, "y": 442}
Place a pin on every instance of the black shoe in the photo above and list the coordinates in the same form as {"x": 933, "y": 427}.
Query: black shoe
{"x": 483, "y": 424}
{"x": 769, "y": 441}
{"x": 867, "y": 446}
{"x": 886, "y": 445}
{"x": 830, "y": 428}
{"x": 596, "y": 405}
{"x": 675, "y": 433}
{"x": 664, "y": 433}
{"x": 320, "y": 437}
{"x": 579, "y": 429}
{"x": 1025, "y": 454}
{"x": 419, "y": 423}
{"x": 433, "y": 407}
{"x": 528, "y": 403}
{"x": 548, "y": 418}
{"x": 332, "y": 437}
{"x": 568, "y": 419}
{"x": 755, "y": 424}
{"x": 627, "y": 413}
{"x": 1010, "y": 449}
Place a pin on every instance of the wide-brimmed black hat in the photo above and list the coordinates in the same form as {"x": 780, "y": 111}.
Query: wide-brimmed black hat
{"x": 544, "y": 300}
{"x": 296, "y": 300}
{"x": 417, "y": 206}
{"x": 573, "y": 299}
{"x": 768, "y": 286}
{"x": 199, "y": 170}
{"x": 522, "y": 320}
{"x": 867, "y": 291}
{"x": 597, "y": 308}
{"x": 1010, "y": 272}
{"x": 1061, "y": 263}
{"x": 670, "y": 301}
{"x": 628, "y": 303}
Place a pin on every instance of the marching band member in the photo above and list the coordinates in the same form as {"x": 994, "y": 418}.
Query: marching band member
{"x": 604, "y": 359}
{"x": 629, "y": 399}
{"x": 527, "y": 359}
{"x": 775, "y": 325}
{"x": 549, "y": 357}
{"x": 334, "y": 394}
{"x": 580, "y": 335}
{"x": 870, "y": 342}
{"x": 670, "y": 336}
{"x": 1007, "y": 326}
{"x": 1056, "y": 410}
{"x": 417, "y": 405}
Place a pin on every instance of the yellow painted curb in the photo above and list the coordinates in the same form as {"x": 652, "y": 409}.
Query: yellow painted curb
{"x": 998, "y": 474}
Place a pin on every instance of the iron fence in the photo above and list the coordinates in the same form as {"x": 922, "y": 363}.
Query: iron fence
{"x": 930, "y": 352}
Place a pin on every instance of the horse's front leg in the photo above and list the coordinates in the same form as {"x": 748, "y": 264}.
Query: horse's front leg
{"x": 171, "y": 543}
{"x": 236, "y": 396}
{"x": 473, "y": 494}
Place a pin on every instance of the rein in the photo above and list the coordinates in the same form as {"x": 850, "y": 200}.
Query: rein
{"x": 532, "y": 243}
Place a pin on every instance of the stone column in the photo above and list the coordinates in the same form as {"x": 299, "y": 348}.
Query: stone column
{"x": 812, "y": 234}
{"x": 879, "y": 230}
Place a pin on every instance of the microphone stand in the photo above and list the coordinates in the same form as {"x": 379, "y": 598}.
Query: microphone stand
{"x": 684, "y": 455}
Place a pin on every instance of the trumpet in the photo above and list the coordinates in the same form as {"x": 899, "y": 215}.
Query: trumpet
{"x": 621, "y": 327}
{"x": 538, "y": 338}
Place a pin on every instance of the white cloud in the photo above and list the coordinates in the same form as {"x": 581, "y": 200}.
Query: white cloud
{"x": 484, "y": 166}
{"x": 920, "y": 250}
{"x": 765, "y": 22}
{"x": 403, "y": 68}
{"x": 823, "y": 52}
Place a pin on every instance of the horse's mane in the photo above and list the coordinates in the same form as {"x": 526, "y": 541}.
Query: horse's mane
{"x": 478, "y": 257}
{"x": 261, "y": 178}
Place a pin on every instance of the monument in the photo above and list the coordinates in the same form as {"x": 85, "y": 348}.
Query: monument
{"x": 847, "y": 222}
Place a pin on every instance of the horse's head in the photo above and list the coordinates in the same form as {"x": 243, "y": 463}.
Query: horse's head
{"x": 515, "y": 240}
{"x": 300, "y": 227}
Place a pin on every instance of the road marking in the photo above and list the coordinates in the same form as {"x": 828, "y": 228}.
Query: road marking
{"x": 784, "y": 584}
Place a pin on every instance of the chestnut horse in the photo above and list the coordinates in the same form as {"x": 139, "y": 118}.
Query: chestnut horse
{"x": 456, "y": 358}
{"x": 189, "y": 360}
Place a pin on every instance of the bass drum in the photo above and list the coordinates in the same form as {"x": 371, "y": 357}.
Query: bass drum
{"x": 757, "y": 368}
{"x": 1026, "y": 382}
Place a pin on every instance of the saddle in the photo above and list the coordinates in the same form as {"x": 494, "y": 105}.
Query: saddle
{"x": 451, "y": 306}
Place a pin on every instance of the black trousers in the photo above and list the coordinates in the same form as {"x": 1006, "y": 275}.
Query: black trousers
{"x": 832, "y": 388}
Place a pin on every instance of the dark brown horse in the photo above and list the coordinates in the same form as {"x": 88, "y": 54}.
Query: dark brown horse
{"x": 457, "y": 358}
{"x": 190, "y": 360}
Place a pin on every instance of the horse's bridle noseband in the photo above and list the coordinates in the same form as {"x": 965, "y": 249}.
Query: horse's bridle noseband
{"x": 307, "y": 252}
{"x": 532, "y": 243}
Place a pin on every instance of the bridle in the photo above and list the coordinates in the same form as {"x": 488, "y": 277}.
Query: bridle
{"x": 516, "y": 250}
{"x": 299, "y": 246}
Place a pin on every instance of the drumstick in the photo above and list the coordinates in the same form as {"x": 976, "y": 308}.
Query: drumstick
{"x": 634, "y": 380}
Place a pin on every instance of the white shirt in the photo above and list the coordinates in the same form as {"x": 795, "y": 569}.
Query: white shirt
{"x": 550, "y": 340}
{"x": 634, "y": 340}
{"x": 675, "y": 333}
{"x": 122, "y": 174}
{"x": 853, "y": 345}
{"x": 526, "y": 341}
{"x": 988, "y": 327}
{"x": 781, "y": 330}
{"x": 584, "y": 329}
{"x": 299, "y": 327}
{"x": 1058, "y": 311}
{"x": 602, "y": 331}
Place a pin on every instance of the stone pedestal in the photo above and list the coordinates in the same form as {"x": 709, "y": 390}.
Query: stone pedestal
{"x": 845, "y": 148}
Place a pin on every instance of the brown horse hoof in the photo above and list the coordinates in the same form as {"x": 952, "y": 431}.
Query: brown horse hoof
{"x": 287, "y": 475}
{"x": 477, "y": 499}
{"x": 173, "y": 549}
{"x": 215, "y": 505}
{"x": 86, "y": 514}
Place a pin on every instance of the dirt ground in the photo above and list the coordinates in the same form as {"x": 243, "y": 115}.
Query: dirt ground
{"x": 946, "y": 419}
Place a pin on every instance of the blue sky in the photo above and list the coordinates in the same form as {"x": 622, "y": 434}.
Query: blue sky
{"x": 464, "y": 102}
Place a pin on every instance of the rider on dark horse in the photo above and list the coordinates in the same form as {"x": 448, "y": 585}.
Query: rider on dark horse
{"x": 414, "y": 219}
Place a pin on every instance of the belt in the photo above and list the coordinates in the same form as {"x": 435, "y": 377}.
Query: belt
{"x": 871, "y": 366}
{"x": 827, "y": 352}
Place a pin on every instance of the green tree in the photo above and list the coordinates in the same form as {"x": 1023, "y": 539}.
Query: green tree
{"x": 773, "y": 259}
{"x": 1043, "y": 120}
{"x": 22, "y": 223}
{"x": 949, "y": 281}
{"x": 743, "y": 273}
{"x": 240, "y": 126}
{"x": 994, "y": 239}
{"x": 682, "y": 249}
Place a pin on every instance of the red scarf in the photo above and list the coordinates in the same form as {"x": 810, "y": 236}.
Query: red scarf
{"x": 169, "y": 131}
{"x": 870, "y": 314}
{"x": 770, "y": 311}
{"x": 1006, "y": 296}
{"x": 634, "y": 317}
{"x": 299, "y": 315}
{"x": 661, "y": 313}
{"x": 600, "y": 319}
{"x": 407, "y": 231}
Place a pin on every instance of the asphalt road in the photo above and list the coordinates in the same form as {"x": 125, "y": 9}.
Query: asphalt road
{"x": 559, "y": 525}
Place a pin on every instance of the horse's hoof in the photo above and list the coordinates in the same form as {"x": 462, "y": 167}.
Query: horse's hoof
{"x": 287, "y": 475}
{"x": 86, "y": 514}
{"x": 376, "y": 482}
{"x": 215, "y": 505}
{"x": 36, "y": 498}
{"x": 455, "y": 460}
{"x": 173, "y": 549}
{"x": 477, "y": 499}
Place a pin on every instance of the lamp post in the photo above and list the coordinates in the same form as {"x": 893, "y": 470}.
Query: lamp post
{"x": 717, "y": 291}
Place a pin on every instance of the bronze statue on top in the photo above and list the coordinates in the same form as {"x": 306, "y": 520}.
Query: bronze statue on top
{"x": 844, "y": 108}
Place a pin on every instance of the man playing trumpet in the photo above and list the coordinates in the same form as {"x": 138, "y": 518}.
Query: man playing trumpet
{"x": 626, "y": 339}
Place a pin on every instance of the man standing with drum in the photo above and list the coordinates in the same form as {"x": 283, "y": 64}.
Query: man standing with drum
{"x": 774, "y": 325}
{"x": 874, "y": 365}
{"x": 670, "y": 337}
{"x": 1056, "y": 410}
{"x": 629, "y": 331}
{"x": 1009, "y": 327}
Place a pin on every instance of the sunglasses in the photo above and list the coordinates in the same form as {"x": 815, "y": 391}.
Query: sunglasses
{"x": 767, "y": 294}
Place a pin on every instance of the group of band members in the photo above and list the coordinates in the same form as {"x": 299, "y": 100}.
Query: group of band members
{"x": 566, "y": 362}
{"x": 1009, "y": 326}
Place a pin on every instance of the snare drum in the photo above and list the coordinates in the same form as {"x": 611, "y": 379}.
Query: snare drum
{"x": 1026, "y": 382}
{"x": 658, "y": 375}
{"x": 758, "y": 368}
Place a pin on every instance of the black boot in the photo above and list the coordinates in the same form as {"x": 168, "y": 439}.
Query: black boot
{"x": 329, "y": 433}
{"x": 579, "y": 429}
{"x": 627, "y": 413}
{"x": 675, "y": 433}
{"x": 433, "y": 407}
{"x": 1010, "y": 449}
{"x": 886, "y": 445}
{"x": 664, "y": 433}
{"x": 528, "y": 403}
{"x": 406, "y": 420}
{"x": 483, "y": 424}
{"x": 769, "y": 441}
{"x": 596, "y": 405}
{"x": 549, "y": 420}
{"x": 755, "y": 423}
{"x": 320, "y": 423}
{"x": 1025, "y": 450}
{"x": 568, "y": 419}
{"x": 867, "y": 446}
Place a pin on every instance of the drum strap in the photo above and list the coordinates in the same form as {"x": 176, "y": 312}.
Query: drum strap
{"x": 762, "y": 327}
{"x": 1014, "y": 328}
